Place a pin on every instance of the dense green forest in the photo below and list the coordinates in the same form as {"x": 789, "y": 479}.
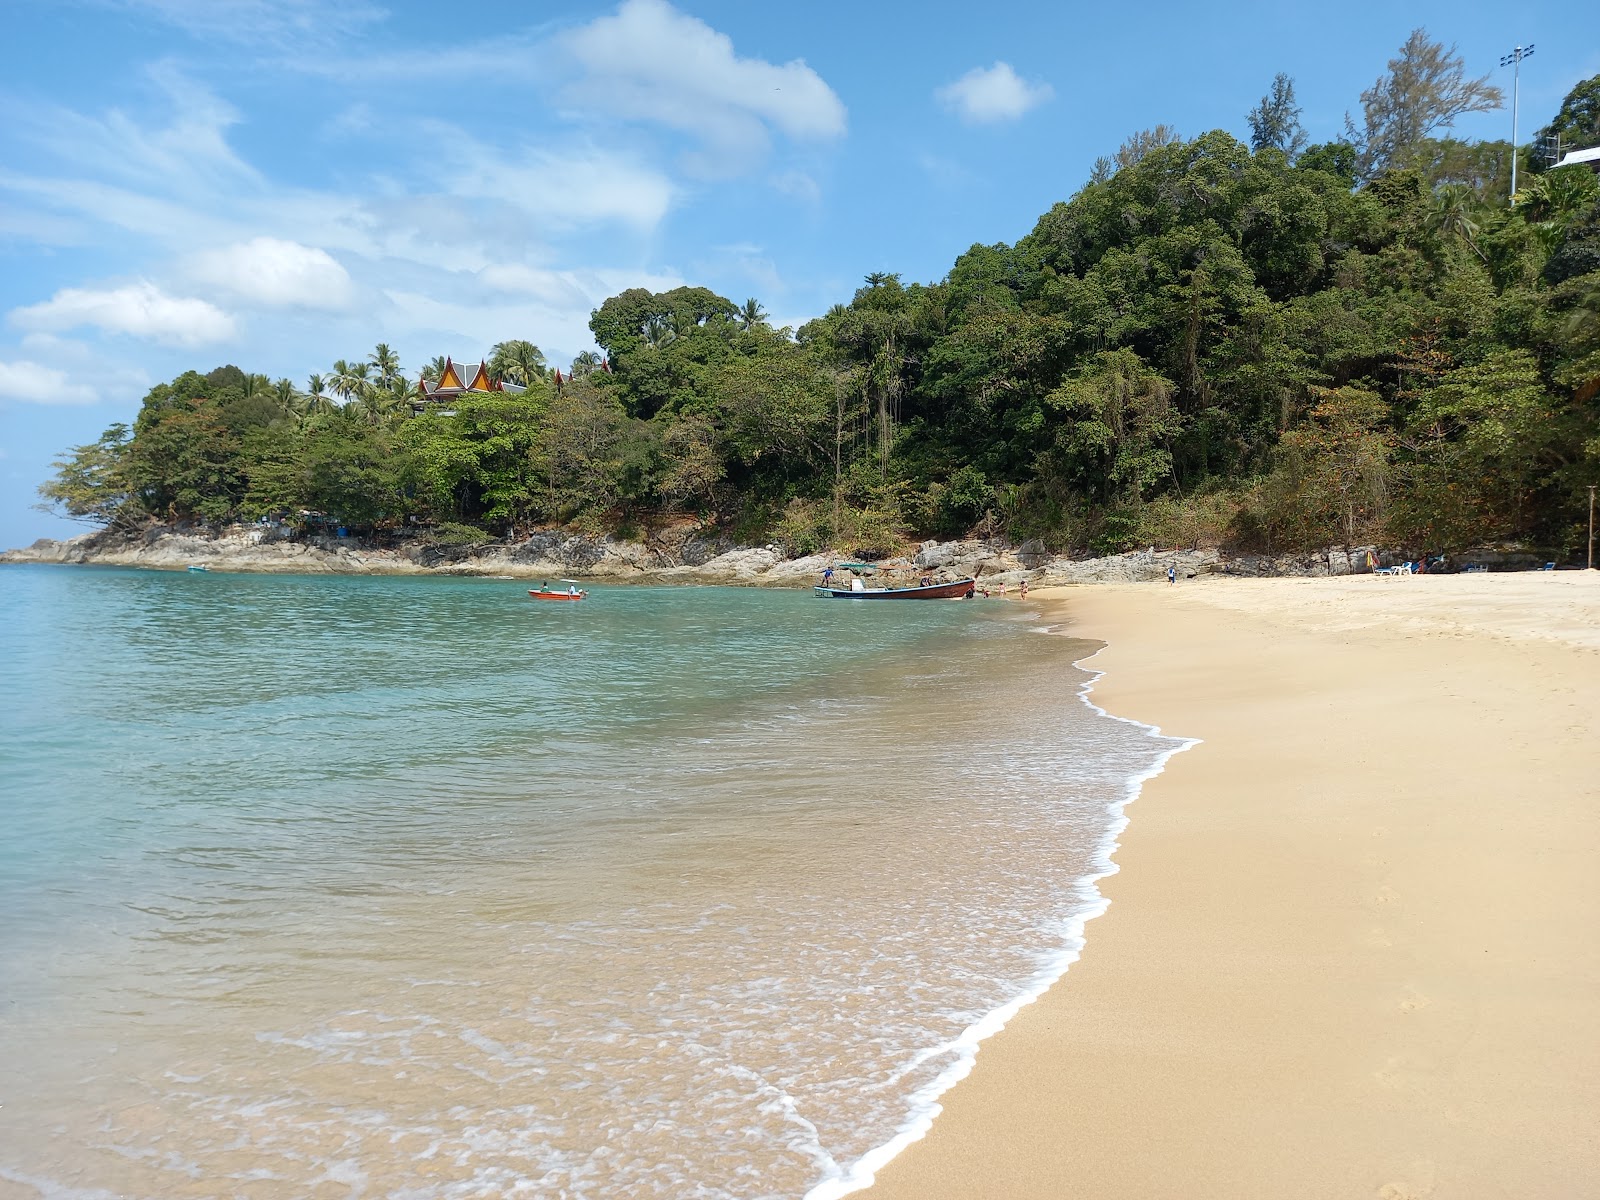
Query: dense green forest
{"x": 1271, "y": 345}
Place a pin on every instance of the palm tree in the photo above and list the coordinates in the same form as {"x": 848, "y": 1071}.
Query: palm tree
{"x": 435, "y": 368}
{"x": 516, "y": 361}
{"x": 751, "y": 314}
{"x": 586, "y": 363}
{"x": 288, "y": 396}
{"x": 351, "y": 380}
{"x": 660, "y": 331}
{"x": 385, "y": 362}
{"x": 314, "y": 401}
{"x": 380, "y": 404}
{"x": 1452, "y": 214}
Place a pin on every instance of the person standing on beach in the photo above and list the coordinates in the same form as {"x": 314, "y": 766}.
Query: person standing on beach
{"x": 1172, "y": 574}
{"x": 1023, "y": 587}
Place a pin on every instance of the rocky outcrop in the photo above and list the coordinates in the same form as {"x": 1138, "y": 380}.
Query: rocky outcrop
{"x": 683, "y": 555}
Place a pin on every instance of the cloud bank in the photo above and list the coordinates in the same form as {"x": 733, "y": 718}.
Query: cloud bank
{"x": 138, "y": 309}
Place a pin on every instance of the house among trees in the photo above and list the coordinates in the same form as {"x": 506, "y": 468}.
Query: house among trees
{"x": 1583, "y": 158}
{"x": 448, "y": 387}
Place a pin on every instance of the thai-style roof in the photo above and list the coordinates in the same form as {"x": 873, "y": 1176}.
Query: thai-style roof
{"x": 449, "y": 385}
{"x": 448, "y": 378}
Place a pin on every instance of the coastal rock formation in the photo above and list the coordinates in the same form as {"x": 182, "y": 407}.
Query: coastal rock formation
{"x": 683, "y": 555}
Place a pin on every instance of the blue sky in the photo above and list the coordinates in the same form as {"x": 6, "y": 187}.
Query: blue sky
{"x": 279, "y": 183}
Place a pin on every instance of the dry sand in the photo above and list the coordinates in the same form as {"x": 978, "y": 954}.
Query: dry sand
{"x": 1353, "y": 948}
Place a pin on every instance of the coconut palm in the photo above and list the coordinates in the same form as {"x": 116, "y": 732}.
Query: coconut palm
{"x": 586, "y": 363}
{"x": 516, "y": 361}
{"x": 1452, "y": 214}
{"x": 435, "y": 368}
{"x": 385, "y": 362}
{"x": 337, "y": 375}
{"x": 314, "y": 401}
{"x": 351, "y": 380}
{"x": 383, "y": 403}
{"x": 751, "y": 314}
{"x": 660, "y": 331}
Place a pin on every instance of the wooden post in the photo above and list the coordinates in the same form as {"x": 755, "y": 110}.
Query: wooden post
{"x": 1591, "y": 526}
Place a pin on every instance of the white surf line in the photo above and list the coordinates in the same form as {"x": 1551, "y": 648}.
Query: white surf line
{"x": 924, "y": 1103}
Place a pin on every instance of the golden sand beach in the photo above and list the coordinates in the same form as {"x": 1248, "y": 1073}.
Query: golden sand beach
{"x": 1353, "y": 948}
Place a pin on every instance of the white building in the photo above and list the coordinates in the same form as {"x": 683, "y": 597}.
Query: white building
{"x": 1588, "y": 158}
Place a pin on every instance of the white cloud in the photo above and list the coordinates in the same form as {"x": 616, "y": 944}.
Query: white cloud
{"x": 34, "y": 383}
{"x": 139, "y": 309}
{"x": 997, "y": 93}
{"x": 275, "y": 273}
{"x": 651, "y": 62}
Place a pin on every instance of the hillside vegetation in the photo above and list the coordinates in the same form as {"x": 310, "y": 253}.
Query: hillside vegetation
{"x": 1264, "y": 345}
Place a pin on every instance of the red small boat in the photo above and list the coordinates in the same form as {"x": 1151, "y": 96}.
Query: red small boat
{"x": 547, "y": 594}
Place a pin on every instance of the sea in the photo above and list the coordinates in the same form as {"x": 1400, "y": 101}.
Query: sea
{"x": 416, "y": 888}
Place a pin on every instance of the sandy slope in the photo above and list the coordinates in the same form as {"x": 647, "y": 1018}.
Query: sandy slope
{"x": 1354, "y": 947}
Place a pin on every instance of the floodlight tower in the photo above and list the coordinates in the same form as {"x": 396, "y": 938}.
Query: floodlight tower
{"x": 1514, "y": 61}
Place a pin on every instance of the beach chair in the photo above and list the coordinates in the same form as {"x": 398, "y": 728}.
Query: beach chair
{"x": 1548, "y": 567}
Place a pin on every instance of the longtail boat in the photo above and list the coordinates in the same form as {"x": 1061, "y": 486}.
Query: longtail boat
{"x": 547, "y": 594}
{"x": 960, "y": 589}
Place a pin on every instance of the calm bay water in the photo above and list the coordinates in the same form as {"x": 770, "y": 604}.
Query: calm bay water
{"x": 417, "y": 888}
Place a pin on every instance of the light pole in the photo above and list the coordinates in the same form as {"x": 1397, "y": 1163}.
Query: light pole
{"x": 1514, "y": 61}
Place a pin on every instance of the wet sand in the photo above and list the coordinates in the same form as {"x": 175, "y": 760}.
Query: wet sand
{"x": 1354, "y": 945}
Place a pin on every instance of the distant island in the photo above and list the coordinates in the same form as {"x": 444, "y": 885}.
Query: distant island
{"x": 1270, "y": 346}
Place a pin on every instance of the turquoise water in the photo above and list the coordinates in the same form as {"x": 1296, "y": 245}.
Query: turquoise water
{"x": 415, "y": 887}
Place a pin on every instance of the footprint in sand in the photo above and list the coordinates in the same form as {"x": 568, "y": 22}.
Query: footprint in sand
{"x": 1413, "y": 1000}
{"x": 1386, "y": 895}
{"x": 1423, "y": 1171}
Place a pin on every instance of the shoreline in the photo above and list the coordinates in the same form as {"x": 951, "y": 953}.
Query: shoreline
{"x": 1349, "y": 943}
{"x": 925, "y": 1104}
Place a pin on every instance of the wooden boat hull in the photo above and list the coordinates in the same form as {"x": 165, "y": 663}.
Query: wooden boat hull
{"x": 960, "y": 589}
{"x": 556, "y": 595}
